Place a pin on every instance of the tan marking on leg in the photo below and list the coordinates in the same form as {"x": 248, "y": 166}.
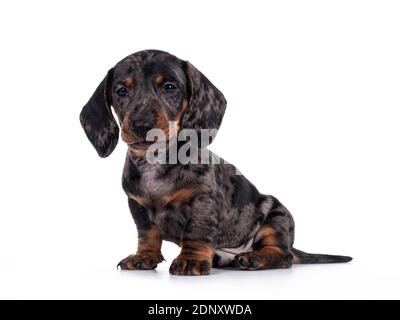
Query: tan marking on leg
{"x": 195, "y": 259}
{"x": 269, "y": 250}
{"x": 151, "y": 242}
{"x": 266, "y": 236}
{"x": 272, "y": 256}
{"x": 266, "y": 254}
{"x": 196, "y": 250}
{"x": 148, "y": 253}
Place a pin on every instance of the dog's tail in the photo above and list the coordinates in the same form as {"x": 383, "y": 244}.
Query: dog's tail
{"x": 301, "y": 257}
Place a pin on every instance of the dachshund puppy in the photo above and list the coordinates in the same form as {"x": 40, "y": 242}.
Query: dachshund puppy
{"x": 214, "y": 214}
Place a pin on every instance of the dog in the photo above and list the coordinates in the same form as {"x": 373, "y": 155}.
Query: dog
{"x": 216, "y": 216}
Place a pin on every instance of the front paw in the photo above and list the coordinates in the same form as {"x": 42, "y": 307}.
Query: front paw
{"x": 140, "y": 262}
{"x": 189, "y": 267}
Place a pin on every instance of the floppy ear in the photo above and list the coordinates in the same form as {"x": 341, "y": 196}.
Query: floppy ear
{"x": 97, "y": 120}
{"x": 206, "y": 103}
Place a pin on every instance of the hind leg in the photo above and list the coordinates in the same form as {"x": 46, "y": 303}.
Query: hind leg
{"x": 272, "y": 243}
{"x": 269, "y": 252}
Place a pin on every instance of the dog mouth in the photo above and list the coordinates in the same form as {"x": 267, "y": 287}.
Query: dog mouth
{"x": 133, "y": 141}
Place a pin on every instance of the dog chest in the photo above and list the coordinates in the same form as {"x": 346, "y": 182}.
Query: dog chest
{"x": 171, "y": 223}
{"x": 150, "y": 184}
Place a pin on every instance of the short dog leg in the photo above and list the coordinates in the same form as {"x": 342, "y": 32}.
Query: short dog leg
{"x": 267, "y": 253}
{"x": 148, "y": 253}
{"x": 272, "y": 243}
{"x": 197, "y": 239}
{"x": 194, "y": 260}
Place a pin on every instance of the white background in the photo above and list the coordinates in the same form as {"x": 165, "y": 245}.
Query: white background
{"x": 312, "y": 118}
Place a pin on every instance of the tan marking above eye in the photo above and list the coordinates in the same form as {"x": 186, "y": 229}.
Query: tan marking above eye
{"x": 128, "y": 82}
{"x": 158, "y": 79}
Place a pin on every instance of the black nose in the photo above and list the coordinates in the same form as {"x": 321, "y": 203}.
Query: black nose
{"x": 140, "y": 128}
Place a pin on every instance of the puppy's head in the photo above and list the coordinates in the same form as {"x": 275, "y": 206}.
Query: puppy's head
{"x": 148, "y": 90}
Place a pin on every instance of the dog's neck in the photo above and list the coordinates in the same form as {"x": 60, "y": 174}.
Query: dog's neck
{"x": 157, "y": 172}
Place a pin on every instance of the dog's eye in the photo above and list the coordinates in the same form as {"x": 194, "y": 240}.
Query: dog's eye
{"x": 122, "y": 92}
{"x": 169, "y": 87}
